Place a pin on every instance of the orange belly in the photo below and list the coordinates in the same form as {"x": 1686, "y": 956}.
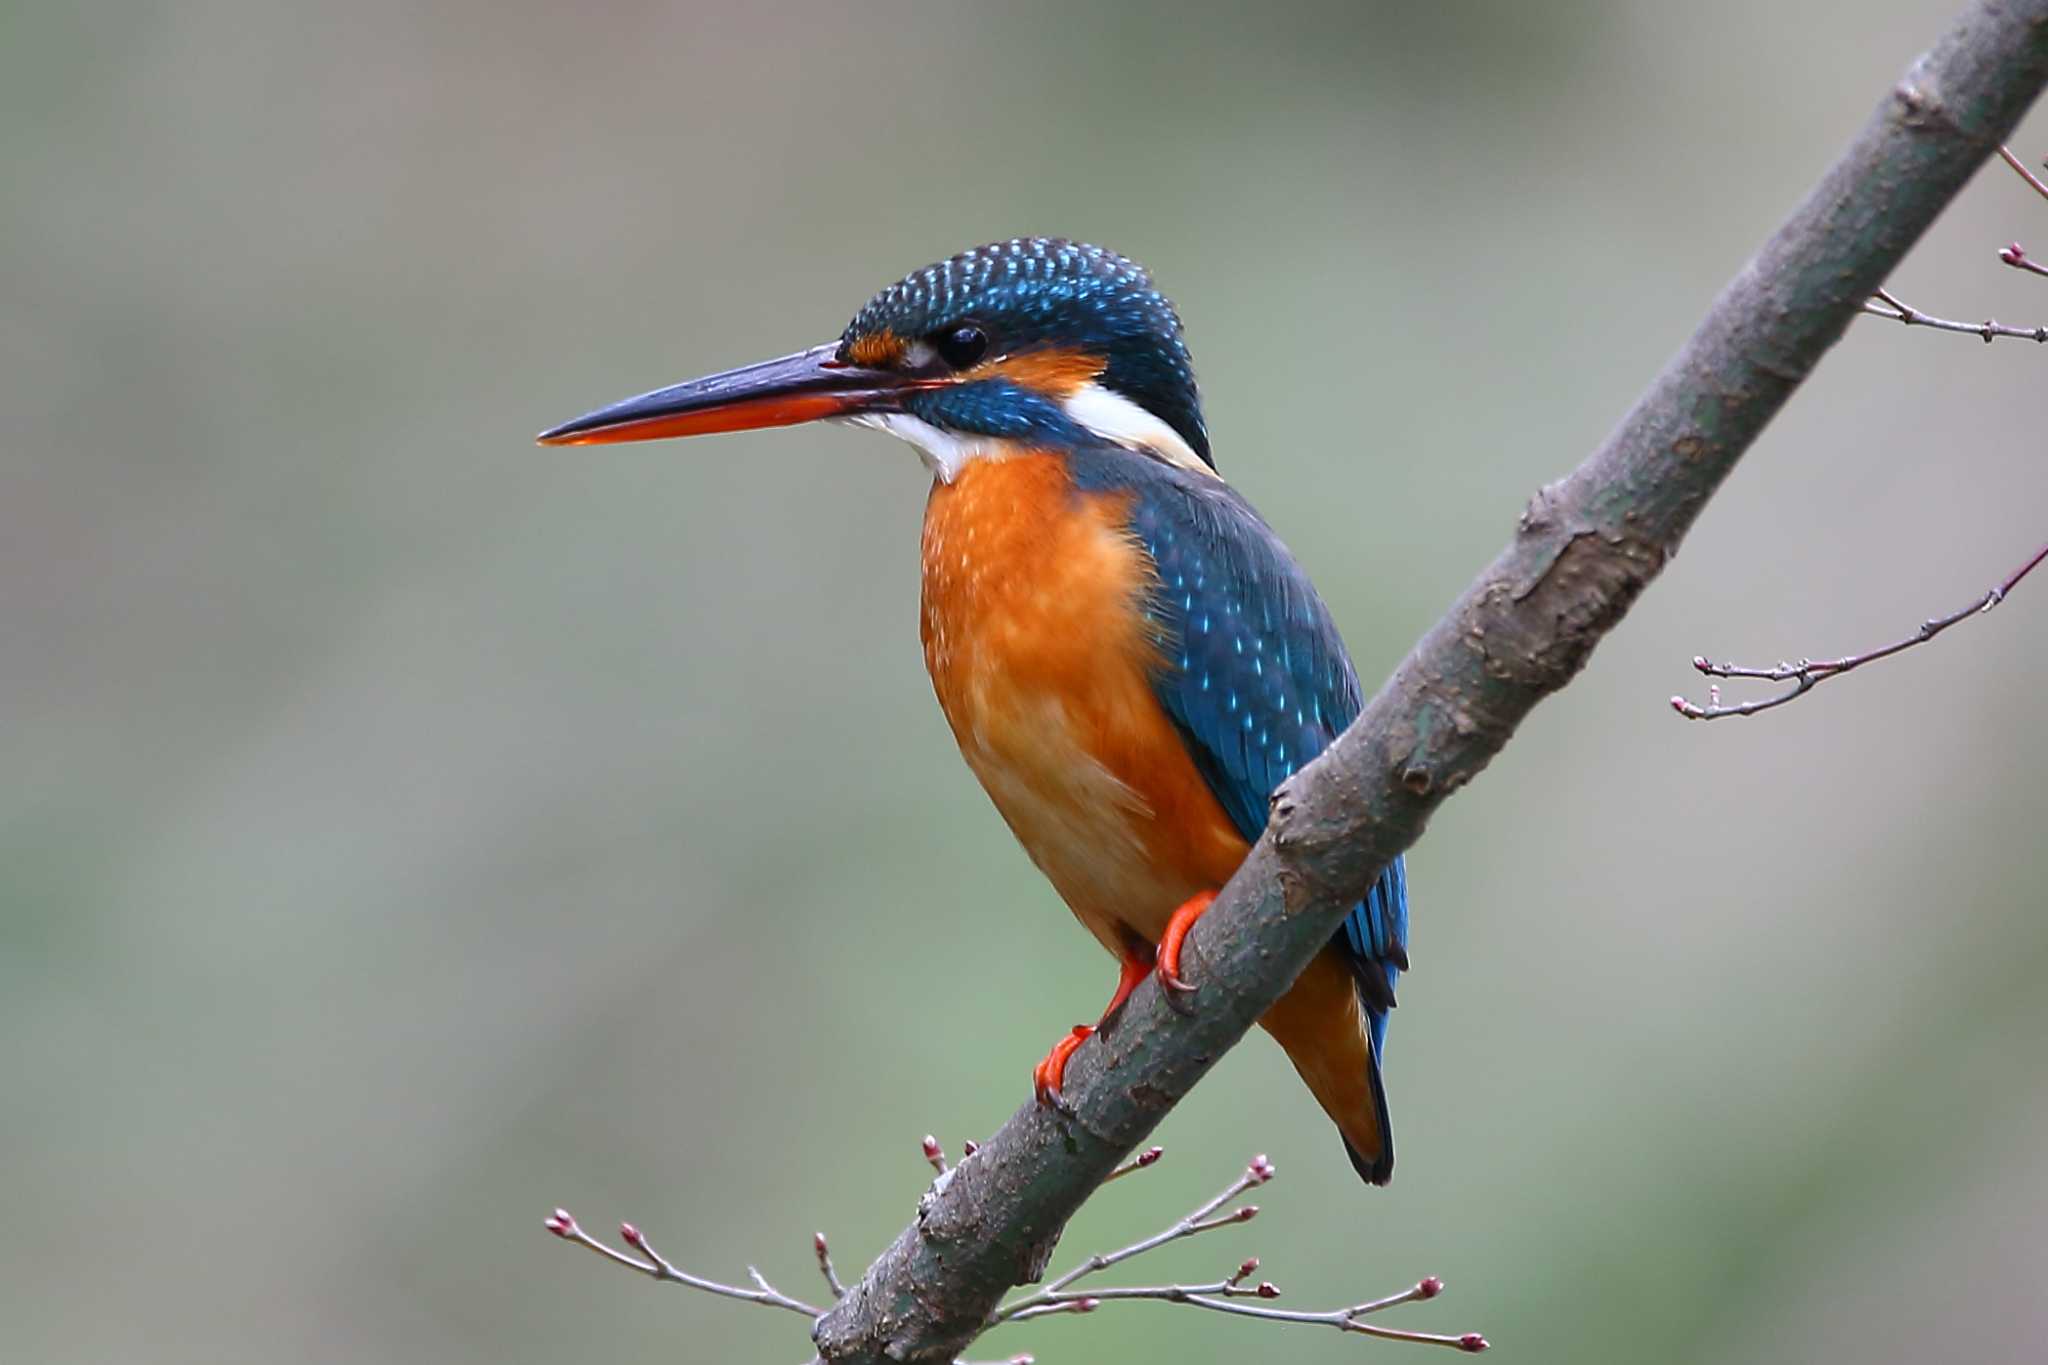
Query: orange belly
{"x": 1040, "y": 652}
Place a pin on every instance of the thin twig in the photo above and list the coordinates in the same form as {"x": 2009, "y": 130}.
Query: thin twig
{"x": 1808, "y": 674}
{"x": 657, "y": 1267}
{"x": 1224, "y": 1295}
{"x": 1141, "y": 1161}
{"x": 825, "y": 1267}
{"x": 1199, "y": 1221}
{"x": 1349, "y": 1320}
{"x": 1988, "y": 329}
{"x": 2015, "y": 255}
{"x": 2020, "y": 169}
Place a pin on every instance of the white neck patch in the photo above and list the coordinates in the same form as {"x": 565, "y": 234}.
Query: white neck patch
{"x": 1104, "y": 412}
{"x": 1116, "y": 418}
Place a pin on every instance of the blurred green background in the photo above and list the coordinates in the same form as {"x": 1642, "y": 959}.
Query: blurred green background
{"x": 408, "y": 829}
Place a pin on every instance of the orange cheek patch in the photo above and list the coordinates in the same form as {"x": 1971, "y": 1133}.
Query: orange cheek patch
{"x": 876, "y": 350}
{"x": 1054, "y": 371}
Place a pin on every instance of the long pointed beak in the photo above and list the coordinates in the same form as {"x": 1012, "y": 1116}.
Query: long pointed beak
{"x": 775, "y": 393}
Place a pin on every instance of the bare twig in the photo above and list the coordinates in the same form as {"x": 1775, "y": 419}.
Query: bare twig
{"x": 1223, "y": 1295}
{"x": 1808, "y": 674}
{"x": 1059, "y": 1296}
{"x": 2020, "y": 169}
{"x": 1199, "y": 1221}
{"x": 825, "y": 1267}
{"x": 2016, "y": 256}
{"x": 657, "y": 1267}
{"x": 1139, "y": 1162}
{"x": 1889, "y": 307}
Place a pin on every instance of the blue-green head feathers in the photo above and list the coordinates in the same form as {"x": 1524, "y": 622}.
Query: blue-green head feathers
{"x": 1033, "y": 295}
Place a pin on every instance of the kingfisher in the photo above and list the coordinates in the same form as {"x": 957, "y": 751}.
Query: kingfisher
{"x": 1129, "y": 659}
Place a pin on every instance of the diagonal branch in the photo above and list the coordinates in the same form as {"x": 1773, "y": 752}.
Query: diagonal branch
{"x": 1585, "y": 548}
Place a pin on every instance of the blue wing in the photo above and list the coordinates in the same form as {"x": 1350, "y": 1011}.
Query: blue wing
{"x": 1257, "y": 679}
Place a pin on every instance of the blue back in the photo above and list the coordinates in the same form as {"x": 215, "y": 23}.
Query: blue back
{"x": 1257, "y": 679}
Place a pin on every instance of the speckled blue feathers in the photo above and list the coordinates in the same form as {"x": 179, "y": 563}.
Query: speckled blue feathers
{"x": 1039, "y": 291}
{"x": 1256, "y": 679}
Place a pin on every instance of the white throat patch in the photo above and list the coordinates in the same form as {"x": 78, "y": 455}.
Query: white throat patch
{"x": 945, "y": 453}
{"x": 1105, "y": 412}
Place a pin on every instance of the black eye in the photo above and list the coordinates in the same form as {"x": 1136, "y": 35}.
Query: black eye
{"x": 962, "y": 346}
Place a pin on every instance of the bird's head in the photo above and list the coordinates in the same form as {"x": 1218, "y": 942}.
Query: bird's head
{"x": 1033, "y": 342}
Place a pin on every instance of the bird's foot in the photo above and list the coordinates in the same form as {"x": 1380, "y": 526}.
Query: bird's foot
{"x": 1048, "y": 1076}
{"x": 1179, "y": 994}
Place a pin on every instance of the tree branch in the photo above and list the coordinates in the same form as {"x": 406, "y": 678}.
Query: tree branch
{"x": 1585, "y": 548}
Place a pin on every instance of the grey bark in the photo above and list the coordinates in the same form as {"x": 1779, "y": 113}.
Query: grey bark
{"x": 1585, "y": 548}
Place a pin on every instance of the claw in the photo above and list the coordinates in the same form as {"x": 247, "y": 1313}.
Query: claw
{"x": 1048, "y": 1076}
{"x": 1179, "y": 994}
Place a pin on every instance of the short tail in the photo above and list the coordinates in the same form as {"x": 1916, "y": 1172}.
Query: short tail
{"x": 1329, "y": 1035}
{"x": 1377, "y": 1167}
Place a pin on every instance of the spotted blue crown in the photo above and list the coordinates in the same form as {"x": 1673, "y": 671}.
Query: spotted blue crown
{"x": 1037, "y": 292}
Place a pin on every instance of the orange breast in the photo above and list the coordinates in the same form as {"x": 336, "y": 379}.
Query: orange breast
{"x": 1040, "y": 653}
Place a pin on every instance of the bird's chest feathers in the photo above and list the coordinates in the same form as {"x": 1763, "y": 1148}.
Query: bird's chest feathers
{"x": 1040, "y": 648}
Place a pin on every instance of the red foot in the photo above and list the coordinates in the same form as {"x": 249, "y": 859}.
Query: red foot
{"x": 1135, "y": 968}
{"x": 1050, "y": 1074}
{"x": 1177, "y": 927}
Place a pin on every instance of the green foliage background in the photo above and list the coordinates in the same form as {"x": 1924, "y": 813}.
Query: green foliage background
{"x": 407, "y": 829}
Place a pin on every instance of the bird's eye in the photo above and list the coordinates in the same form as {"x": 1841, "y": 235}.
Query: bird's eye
{"x": 962, "y": 346}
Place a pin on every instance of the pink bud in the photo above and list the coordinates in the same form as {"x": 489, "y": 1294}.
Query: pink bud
{"x": 1024, "y": 1360}
{"x": 931, "y": 1148}
{"x": 2012, "y": 254}
{"x": 1150, "y": 1155}
{"x": 1430, "y": 1287}
{"x": 630, "y": 1233}
{"x": 1699, "y": 661}
{"x": 1471, "y": 1341}
{"x": 1268, "y": 1290}
{"x": 1087, "y": 1305}
{"x": 1246, "y": 1214}
{"x": 556, "y": 1226}
{"x": 818, "y": 1241}
{"x": 1681, "y": 706}
{"x": 968, "y": 1147}
{"x": 1248, "y": 1269}
{"x": 1261, "y": 1170}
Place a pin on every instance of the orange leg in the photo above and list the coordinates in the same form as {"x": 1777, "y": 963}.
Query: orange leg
{"x": 1048, "y": 1075}
{"x": 1177, "y": 927}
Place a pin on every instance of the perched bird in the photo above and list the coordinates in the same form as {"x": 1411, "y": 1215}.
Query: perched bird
{"x": 1129, "y": 658}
